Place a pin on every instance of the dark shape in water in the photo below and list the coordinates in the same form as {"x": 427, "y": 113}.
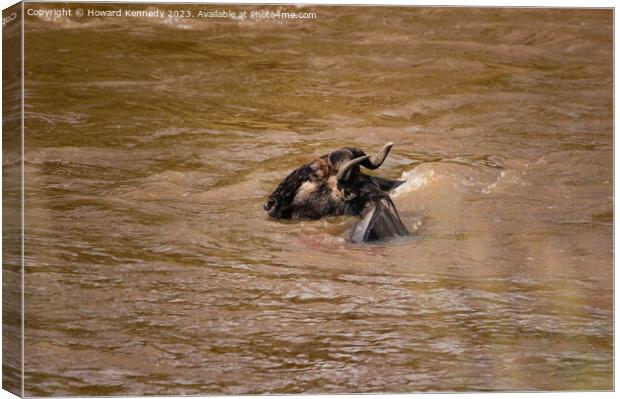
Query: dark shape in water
{"x": 334, "y": 185}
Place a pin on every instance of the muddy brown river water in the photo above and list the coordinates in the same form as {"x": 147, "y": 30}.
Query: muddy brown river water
{"x": 151, "y": 145}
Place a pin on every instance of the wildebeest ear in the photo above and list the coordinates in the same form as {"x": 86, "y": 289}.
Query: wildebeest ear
{"x": 380, "y": 221}
{"x": 386, "y": 184}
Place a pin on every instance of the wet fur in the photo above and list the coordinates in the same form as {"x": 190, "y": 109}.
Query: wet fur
{"x": 313, "y": 191}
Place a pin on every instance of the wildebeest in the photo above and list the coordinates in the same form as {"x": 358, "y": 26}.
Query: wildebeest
{"x": 334, "y": 185}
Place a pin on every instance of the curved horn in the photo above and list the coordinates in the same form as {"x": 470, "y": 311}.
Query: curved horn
{"x": 345, "y": 170}
{"x": 377, "y": 160}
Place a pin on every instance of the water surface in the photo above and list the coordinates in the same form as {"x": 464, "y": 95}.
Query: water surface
{"x": 151, "y": 145}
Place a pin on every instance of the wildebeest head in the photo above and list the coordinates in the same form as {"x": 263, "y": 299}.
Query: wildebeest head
{"x": 334, "y": 185}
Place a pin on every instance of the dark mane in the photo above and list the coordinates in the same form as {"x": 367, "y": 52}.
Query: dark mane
{"x": 334, "y": 185}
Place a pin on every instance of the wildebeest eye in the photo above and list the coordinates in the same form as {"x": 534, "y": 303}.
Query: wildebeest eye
{"x": 269, "y": 204}
{"x": 347, "y": 194}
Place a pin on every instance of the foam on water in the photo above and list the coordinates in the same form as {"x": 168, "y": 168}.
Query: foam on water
{"x": 414, "y": 180}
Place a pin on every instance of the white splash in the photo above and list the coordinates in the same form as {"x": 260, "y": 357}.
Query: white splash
{"x": 506, "y": 177}
{"x": 414, "y": 180}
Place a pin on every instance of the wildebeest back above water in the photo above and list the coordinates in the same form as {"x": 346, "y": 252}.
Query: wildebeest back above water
{"x": 334, "y": 185}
